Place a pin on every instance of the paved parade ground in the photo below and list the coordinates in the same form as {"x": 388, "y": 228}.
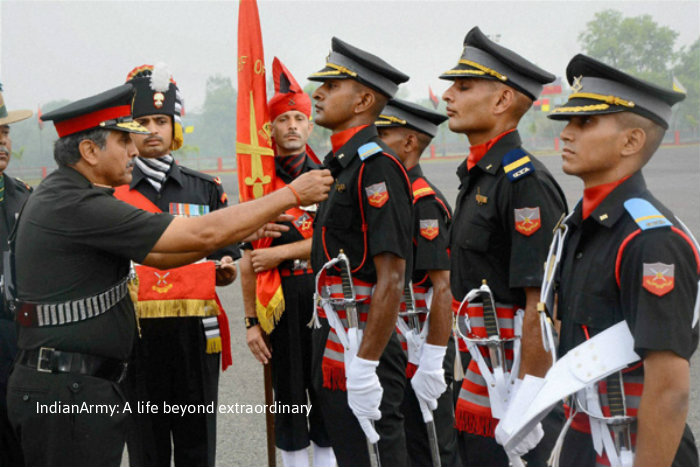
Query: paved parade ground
{"x": 673, "y": 175}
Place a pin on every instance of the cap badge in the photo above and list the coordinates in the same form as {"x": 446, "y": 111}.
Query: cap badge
{"x": 577, "y": 86}
{"x": 291, "y": 102}
{"x": 158, "y": 99}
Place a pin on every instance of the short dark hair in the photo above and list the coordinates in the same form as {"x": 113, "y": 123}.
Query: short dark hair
{"x": 65, "y": 150}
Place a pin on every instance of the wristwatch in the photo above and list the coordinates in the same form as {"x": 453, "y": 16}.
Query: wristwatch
{"x": 250, "y": 322}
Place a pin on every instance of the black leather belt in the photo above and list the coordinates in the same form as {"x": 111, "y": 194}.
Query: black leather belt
{"x": 48, "y": 360}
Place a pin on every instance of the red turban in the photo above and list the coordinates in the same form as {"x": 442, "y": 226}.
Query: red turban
{"x": 288, "y": 94}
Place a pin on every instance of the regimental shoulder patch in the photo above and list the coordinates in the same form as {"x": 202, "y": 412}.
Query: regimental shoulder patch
{"x": 658, "y": 278}
{"x": 527, "y": 220}
{"x": 429, "y": 228}
{"x": 377, "y": 194}
{"x": 188, "y": 210}
{"x": 517, "y": 164}
{"x": 368, "y": 150}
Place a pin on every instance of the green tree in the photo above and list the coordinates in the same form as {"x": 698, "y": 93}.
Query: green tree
{"x": 643, "y": 48}
{"x": 215, "y": 131}
{"x": 635, "y": 45}
{"x": 687, "y": 71}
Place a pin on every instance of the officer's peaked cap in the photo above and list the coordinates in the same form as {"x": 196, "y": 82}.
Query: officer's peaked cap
{"x": 400, "y": 113}
{"x": 601, "y": 89}
{"x": 110, "y": 110}
{"x": 348, "y": 62}
{"x": 483, "y": 58}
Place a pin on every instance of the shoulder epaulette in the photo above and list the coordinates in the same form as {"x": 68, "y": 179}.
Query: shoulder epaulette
{"x": 645, "y": 214}
{"x": 368, "y": 150}
{"x": 201, "y": 175}
{"x": 24, "y": 184}
{"x": 421, "y": 189}
{"x": 517, "y": 164}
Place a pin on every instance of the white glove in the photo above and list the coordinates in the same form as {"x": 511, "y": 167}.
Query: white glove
{"x": 364, "y": 394}
{"x": 429, "y": 381}
{"x": 414, "y": 343}
{"x": 526, "y": 445}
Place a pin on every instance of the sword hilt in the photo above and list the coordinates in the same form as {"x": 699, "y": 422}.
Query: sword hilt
{"x": 489, "y": 307}
{"x": 616, "y": 403}
{"x": 616, "y": 400}
{"x": 348, "y": 289}
{"x": 411, "y": 314}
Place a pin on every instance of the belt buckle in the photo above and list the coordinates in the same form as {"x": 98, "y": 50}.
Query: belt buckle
{"x": 44, "y": 358}
{"x": 300, "y": 264}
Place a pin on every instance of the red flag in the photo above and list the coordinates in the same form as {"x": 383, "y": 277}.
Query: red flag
{"x": 38, "y": 117}
{"x": 255, "y": 157}
{"x": 433, "y": 97}
{"x": 552, "y": 88}
{"x": 188, "y": 290}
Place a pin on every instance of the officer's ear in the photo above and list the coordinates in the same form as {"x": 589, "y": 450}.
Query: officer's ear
{"x": 89, "y": 151}
{"x": 505, "y": 99}
{"x": 410, "y": 142}
{"x": 366, "y": 100}
{"x": 633, "y": 141}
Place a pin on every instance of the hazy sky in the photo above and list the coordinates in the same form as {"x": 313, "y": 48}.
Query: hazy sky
{"x": 70, "y": 49}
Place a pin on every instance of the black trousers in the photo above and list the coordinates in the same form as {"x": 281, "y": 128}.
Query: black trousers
{"x": 578, "y": 450}
{"x": 10, "y": 450}
{"x": 66, "y": 439}
{"x": 444, "y": 416}
{"x": 170, "y": 366}
{"x": 347, "y": 438}
{"x": 291, "y": 368}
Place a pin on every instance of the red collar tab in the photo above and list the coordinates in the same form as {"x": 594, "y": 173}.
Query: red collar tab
{"x": 592, "y": 197}
{"x": 476, "y": 153}
{"x": 339, "y": 139}
{"x": 91, "y": 120}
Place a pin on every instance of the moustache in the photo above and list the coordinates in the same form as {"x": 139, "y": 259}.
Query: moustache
{"x": 4, "y": 149}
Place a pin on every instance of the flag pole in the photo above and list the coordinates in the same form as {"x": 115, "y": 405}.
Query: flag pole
{"x": 256, "y": 172}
